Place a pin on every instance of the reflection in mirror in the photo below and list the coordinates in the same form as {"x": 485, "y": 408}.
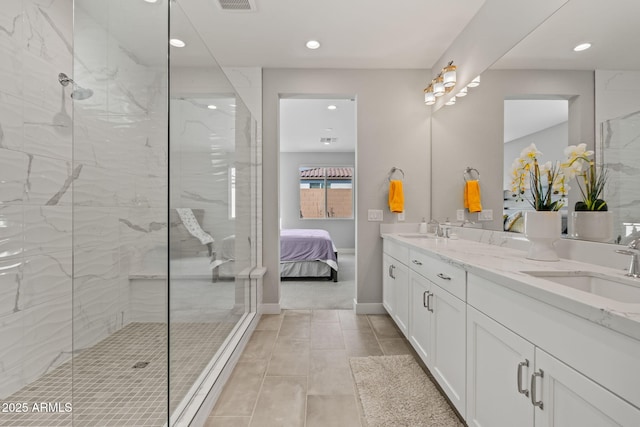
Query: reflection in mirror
{"x": 543, "y": 122}
{"x": 609, "y": 91}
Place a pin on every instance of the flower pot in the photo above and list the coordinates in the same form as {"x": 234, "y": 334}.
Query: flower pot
{"x": 596, "y": 226}
{"x": 542, "y": 229}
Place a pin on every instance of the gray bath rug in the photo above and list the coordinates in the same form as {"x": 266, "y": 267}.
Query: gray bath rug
{"x": 395, "y": 392}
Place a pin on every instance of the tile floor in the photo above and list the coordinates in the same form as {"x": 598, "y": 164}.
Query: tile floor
{"x": 295, "y": 370}
{"x": 108, "y": 391}
{"x": 322, "y": 294}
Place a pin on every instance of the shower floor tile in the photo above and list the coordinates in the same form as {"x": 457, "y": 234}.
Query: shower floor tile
{"x": 109, "y": 390}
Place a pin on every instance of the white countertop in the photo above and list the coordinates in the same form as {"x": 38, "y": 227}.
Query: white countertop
{"x": 504, "y": 266}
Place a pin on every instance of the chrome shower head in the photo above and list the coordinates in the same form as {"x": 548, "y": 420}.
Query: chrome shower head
{"x": 79, "y": 93}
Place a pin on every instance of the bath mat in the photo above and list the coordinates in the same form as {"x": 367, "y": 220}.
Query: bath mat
{"x": 395, "y": 392}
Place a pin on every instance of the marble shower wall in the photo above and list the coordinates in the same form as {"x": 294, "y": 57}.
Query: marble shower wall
{"x": 106, "y": 170}
{"x": 618, "y": 112}
{"x": 36, "y": 173}
{"x": 120, "y": 153}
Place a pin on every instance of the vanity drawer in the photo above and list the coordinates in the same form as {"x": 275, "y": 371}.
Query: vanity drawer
{"x": 395, "y": 250}
{"x": 447, "y": 276}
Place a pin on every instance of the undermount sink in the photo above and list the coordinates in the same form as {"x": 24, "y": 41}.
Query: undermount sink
{"x": 417, "y": 236}
{"x": 618, "y": 289}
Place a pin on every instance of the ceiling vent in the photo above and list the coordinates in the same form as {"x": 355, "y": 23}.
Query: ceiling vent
{"x": 237, "y": 5}
{"x": 328, "y": 140}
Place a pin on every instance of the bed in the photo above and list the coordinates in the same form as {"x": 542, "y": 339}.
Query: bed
{"x": 307, "y": 253}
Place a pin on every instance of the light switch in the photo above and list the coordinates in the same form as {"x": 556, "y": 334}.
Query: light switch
{"x": 460, "y": 215}
{"x": 401, "y": 216}
{"x": 374, "y": 215}
{"x": 485, "y": 215}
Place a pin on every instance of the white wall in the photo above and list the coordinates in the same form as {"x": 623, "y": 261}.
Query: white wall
{"x": 471, "y": 133}
{"x": 342, "y": 231}
{"x": 551, "y": 142}
{"x": 392, "y": 130}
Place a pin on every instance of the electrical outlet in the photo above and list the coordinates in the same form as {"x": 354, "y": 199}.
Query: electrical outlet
{"x": 401, "y": 216}
{"x": 460, "y": 215}
{"x": 485, "y": 215}
{"x": 374, "y": 215}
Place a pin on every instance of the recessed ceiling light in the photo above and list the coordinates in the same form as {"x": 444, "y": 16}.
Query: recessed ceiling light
{"x": 177, "y": 43}
{"x": 332, "y": 107}
{"x": 582, "y": 46}
{"x": 328, "y": 129}
{"x": 151, "y": 1}
{"x": 313, "y": 44}
{"x": 211, "y": 107}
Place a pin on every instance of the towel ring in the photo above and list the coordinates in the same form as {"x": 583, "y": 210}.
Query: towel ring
{"x": 394, "y": 170}
{"x": 467, "y": 172}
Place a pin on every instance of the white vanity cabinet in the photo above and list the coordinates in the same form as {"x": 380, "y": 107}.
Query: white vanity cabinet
{"x": 513, "y": 378}
{"x": 395, "y": 283}
{"x": 499, "y": 365}
{"x": 438, "y": 322}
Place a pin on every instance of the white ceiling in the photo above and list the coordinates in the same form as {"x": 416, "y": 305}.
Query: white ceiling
{"x": 303, "y": 122}
{"x": 524, "y": 117}
{"x": 352, "y": 33}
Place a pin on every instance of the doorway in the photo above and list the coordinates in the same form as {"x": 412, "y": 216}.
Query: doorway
{"x": 317, "y": 136}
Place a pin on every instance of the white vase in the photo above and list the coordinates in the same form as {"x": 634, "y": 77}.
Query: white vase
{"x": 596, "y": 226}
{"x": 542, "y": 229}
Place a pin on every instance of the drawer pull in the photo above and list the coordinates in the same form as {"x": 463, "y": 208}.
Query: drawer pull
{"x": 520, "y": 365}
{"x": 416, "y": 262}
{"x": 535, "y": 402}
{"x": 424, "y": 299}
{"x": 429, "y": 295}
{"x": 444, "y": 276}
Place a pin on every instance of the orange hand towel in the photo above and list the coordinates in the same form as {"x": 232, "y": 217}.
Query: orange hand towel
{"x": 472, "y": 196}
{"x": 396, "y": 196}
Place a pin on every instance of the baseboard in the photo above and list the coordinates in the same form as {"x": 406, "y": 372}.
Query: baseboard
{"x": 346, "y": 251}
{"x": 368, "y": 308}
{"x": 269, "y": 308}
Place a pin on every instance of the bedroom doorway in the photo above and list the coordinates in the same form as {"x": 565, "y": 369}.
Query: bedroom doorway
{"x": 317, "y": 201}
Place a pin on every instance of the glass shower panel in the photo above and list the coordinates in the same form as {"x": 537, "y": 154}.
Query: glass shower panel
{"x": 120, "y": 224}
{"x": 620, "y": 153}
{"x": 212, "y": 219}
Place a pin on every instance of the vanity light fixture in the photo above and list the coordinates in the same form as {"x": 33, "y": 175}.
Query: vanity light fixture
{"x": 475, "y": 82}
{"x": 452, "y": 101}
{"x": 463, "y": 92}
{"x": 438, "y": 86}
{"x": 313, "y": 44}
{"x": 581, "y": 47}
{"x": 331, "y": 107}
{"x": 449, "y": 75}
{"x": 177, "y": 43}
{"x": 429, "y": 97}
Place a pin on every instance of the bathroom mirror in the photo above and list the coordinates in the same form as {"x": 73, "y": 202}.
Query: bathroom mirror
{"x": 601, "y": 86}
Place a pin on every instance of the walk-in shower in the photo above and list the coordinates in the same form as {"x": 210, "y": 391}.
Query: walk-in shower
{"x": 110, "y": 313}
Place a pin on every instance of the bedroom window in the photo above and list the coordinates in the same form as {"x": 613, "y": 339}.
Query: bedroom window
{"x": 326, "y": 192}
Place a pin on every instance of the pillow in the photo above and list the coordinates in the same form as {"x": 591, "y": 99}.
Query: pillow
{"x": 511, "y": 220}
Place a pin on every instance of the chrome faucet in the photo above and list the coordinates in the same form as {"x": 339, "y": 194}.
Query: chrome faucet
{"x": 634, "y": 249}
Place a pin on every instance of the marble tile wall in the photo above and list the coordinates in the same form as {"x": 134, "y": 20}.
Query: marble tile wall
{"x": 92, "y": 189}
{"x": 120, "y": 148}
{"x": 36, "y": 174}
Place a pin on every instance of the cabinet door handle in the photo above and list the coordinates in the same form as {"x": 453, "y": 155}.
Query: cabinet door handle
{"x": 424, "y": 299}
{"x": 429, "y": 295}
{"x": 520, "y": 365}
{"x": 391, "y": 267}
{"x": 444, "y": 276}
{"x": 416, "y": 262}
{"x": 535, "y": 402}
